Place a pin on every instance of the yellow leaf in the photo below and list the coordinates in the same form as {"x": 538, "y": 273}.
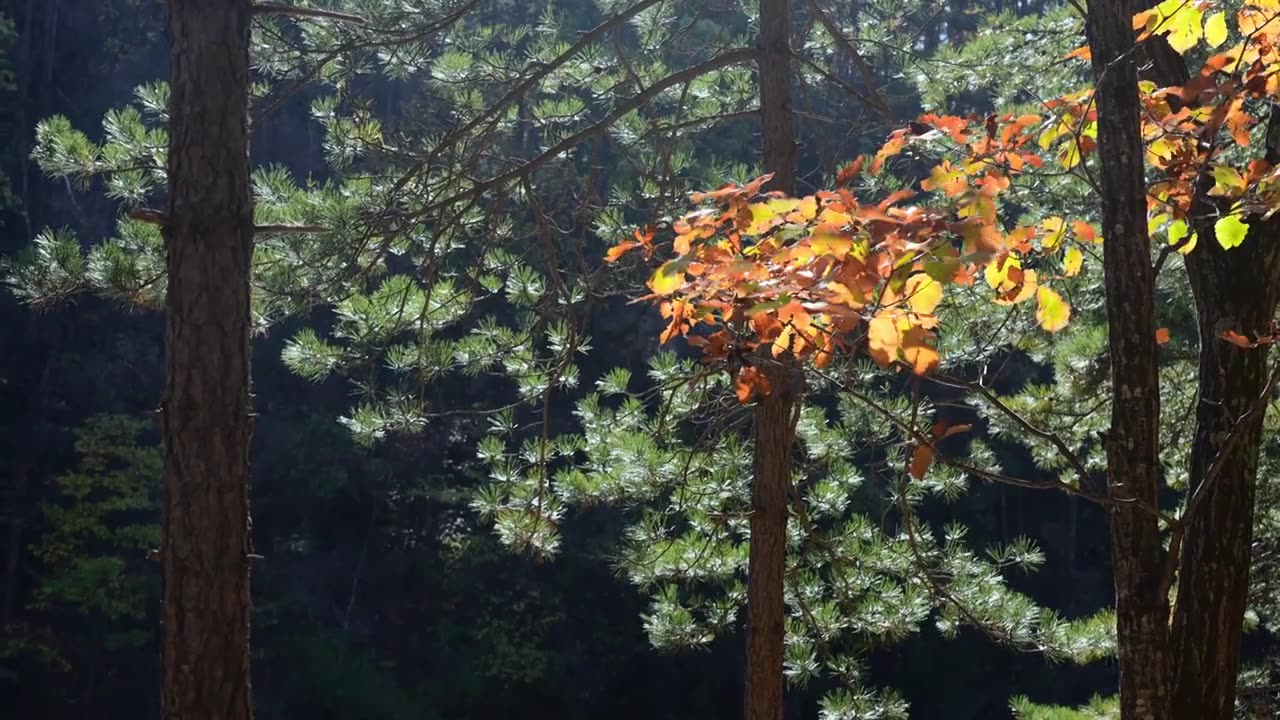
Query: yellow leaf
{"x": 1055, "y": 228}
{"x": 808, "y": 208}
{"x": 923, "y": 293}
{"x": 1215, "y": 29}
{"x": 1227, "y": 181}
{"x": 1072, "y": 262}
{"x": 1069, "y": 155}
{"x": 1230, "y": 231}
{"x": 1024, "y": 289}
{"x": 1053, "y": 312}
{"x": 1190, "y": 245}
{"x": 668, "y": 278}
{"x": 997, "y": 271}
{"x": 883, "y": 340}
{"x": 1183, "y": 22}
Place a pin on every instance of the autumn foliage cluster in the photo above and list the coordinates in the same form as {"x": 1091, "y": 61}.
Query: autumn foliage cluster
{"x": 812, "y": 276}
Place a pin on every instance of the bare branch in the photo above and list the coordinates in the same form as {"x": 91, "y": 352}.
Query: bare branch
{"x": 732, "y": 57}
{"x": 150, "y": 215}
{"x": 542, "y": 71}
{"x": 873, "y": 97}
{"x": 285, "y": 229}
{"x": 845, "y": 85}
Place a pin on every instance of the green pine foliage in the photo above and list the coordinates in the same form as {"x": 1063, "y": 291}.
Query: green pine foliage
{"x": 97, "y": 530}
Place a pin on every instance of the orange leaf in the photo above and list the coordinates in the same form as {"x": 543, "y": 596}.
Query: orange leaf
{"x": 921, "y": 460}
{"x": 1162, "y": 336}
{"x": 850, "y": 171}
{"x": 922, "y": 357}
{"x": 1238, "y": 340}
{"x": 1083, "y": 52}
{"x": 750, "y": 383}
{"x": 883, "y": 339}
{"x": 619, "y": 250}
{"x": 942, "y": 429}
{"x": 1084, "y": 231}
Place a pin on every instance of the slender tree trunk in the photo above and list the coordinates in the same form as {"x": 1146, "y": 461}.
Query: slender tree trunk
{"x": 1234, "y": 290}
{"x": 1142, "y": 607}
{"x": 777, "y": 121}
{"x": 205, "y": 415}
{"x": 774, "y": 415}
{"x": 766, "y": 572}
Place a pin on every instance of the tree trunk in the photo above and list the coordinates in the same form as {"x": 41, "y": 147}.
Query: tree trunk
{"x": 1234, "y": 290}
{"x": 766, "y": 571}
{"x": 774, "y": 424}
{"x": 1142, "y": 607}
{"x": 205, "y": 414}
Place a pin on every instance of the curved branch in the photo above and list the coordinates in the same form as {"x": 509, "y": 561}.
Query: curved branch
{"x": 732, "y": 57}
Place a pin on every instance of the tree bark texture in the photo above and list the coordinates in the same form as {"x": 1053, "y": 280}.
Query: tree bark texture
{"x": 774, "y": 414}
{"x": 777, "y": 121}
{"x": 205, "y": 414}
{"x": 1234, "y": 290}
{"x": 1142, "y": 607}
{"x": 774, "y": 418}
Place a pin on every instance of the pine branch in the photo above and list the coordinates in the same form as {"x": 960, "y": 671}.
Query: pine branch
{"x": 271, "y": 8}
{"x": 158, "y": 217}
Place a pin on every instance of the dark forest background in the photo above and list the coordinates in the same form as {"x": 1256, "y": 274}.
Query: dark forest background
{"x": 380, "y": 595}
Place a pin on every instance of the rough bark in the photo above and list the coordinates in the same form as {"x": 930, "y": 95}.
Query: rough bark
{"x": 766, "y": 571}
{"x": 774, "y": 428}
{"x": 1234, "y": 290}
{"x": 777, "y": 122}
{"x": 1142, "y": 608}
{"x": 205, "y": 413}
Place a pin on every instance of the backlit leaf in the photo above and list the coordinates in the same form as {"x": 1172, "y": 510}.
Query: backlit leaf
{"x": 1230, "y": 231}
{"x": 751, "y": 383}
{"x": 1052, "y": 312}
{"x": 668, "y": 278}
{"x": 923, "y": 293}
{"x": 1215, "y": 29}
{"x": 1072, "y": 262}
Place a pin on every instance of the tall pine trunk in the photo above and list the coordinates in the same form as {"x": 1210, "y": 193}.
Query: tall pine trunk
{"x": 1142, "y": 606}
{"x": 774, "y": 415}
{"x": 205, "y": 416}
